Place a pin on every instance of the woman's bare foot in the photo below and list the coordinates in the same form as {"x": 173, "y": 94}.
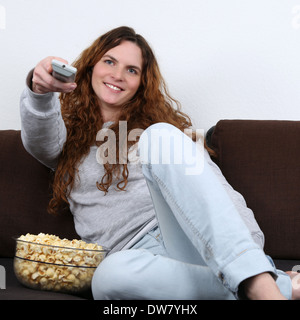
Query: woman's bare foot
{"x": 262, "y": 287}
{"x": 295, "y": 277}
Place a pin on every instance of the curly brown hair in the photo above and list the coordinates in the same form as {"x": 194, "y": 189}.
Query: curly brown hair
{"x": 151, "y": 104}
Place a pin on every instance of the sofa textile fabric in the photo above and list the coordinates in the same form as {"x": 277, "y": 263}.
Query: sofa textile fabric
{"x": 24, "y": 195}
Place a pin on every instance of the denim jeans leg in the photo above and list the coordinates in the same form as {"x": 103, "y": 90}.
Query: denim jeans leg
{"x": 194, "y": 208}
{"x": 143, "y": 275}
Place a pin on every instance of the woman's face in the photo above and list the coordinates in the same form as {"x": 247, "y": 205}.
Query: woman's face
{"x": 117, "y": 77}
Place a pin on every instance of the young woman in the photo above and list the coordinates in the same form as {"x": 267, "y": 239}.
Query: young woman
{"x": 172, "y": 235}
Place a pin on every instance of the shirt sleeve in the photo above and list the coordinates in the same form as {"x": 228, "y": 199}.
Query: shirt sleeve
{"x": 240, "y": 204}
{"x": 43, "y": 130}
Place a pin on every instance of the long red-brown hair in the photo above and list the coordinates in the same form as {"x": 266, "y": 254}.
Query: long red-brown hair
{"x": 151, "y": 104}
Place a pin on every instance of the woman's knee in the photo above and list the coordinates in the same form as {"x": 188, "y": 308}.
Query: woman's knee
{"x": 157, "y": 142}
{"x": 156, "y": 130}
{"x": 116, "y": 276}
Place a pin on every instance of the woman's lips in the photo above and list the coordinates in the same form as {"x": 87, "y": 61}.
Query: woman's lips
{"x": 113, "y": 87}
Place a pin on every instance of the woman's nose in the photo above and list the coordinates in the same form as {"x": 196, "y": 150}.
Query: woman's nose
{"x": 118, "y": 74}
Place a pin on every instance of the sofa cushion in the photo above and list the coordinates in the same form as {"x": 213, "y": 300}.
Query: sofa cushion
{"x": 260, "y": 159}
{"x": 24, "y": 196}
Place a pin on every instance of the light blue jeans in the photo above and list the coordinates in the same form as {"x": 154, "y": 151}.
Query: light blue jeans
{"x": 201, "y": 249}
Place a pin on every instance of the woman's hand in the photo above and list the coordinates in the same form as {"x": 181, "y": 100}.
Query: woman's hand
{"x": 44, "y": 82}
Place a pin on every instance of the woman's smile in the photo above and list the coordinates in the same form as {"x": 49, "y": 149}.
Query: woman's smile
{"x": 113, "y": 87}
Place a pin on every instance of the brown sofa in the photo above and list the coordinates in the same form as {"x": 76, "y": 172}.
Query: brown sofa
{"x": 259, "y": 159}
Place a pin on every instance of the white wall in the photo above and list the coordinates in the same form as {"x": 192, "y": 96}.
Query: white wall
{"x": 221, "y": 58}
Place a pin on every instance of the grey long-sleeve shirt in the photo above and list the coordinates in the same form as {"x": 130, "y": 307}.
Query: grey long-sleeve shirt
{"x": 115, "y": 220}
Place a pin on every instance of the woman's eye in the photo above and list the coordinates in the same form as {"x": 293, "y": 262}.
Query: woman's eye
{"x": 109, "y": 62}
{"x": 133, "y": 71}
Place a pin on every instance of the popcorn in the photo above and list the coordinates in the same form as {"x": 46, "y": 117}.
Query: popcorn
{"x": 47, "y": 262}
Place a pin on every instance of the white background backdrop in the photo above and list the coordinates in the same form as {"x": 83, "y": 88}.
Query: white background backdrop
{"x": 222, "y": 59}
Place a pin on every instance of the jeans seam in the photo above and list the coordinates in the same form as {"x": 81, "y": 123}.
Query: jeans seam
{"x": 183, "y": 216}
